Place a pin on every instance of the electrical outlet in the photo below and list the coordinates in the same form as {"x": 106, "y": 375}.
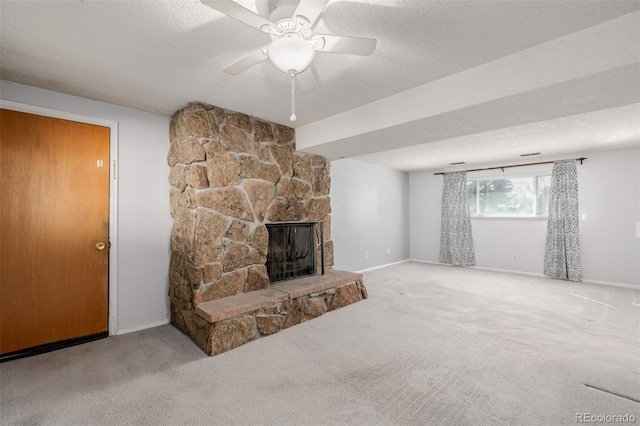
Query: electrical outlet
{"x": 388, "y": 251}
{"x": 366, "y": 254}
{"x": 515, "y": 258}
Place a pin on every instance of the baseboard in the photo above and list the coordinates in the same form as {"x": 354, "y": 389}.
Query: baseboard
{"x": 382, "y": 266}
{"x": 506, "y": 271}
{"x": 143, "y": 327}
{"x": 612, "y": 284}
{"x": 532, "y": 274}
{"x": 429, "y": 262}
{"x": 510, "y": 271}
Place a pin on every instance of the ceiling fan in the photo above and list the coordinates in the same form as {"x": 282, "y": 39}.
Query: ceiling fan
{"x": 293, "y": 44}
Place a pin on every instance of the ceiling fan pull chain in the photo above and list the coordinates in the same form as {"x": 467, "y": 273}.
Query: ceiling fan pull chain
{"x": 293, "y": 96}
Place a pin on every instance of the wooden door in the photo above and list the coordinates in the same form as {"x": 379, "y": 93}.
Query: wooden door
{"x": 54, "y": 213}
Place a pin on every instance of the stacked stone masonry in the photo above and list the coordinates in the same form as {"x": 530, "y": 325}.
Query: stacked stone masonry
{"x": 230, "y": 175}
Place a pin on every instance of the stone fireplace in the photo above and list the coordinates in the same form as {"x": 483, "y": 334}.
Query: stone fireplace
{"x": 237, "y": 182}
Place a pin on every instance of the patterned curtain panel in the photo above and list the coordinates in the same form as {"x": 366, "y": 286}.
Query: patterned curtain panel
{"x": 456, "y": 241}
{"x": 562, "y": 250}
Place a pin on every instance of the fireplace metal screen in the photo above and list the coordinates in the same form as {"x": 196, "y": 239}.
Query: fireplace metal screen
{"x": 292, "y": 250}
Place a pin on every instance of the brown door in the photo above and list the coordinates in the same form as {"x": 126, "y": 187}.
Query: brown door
{"x": 54, "y": 216}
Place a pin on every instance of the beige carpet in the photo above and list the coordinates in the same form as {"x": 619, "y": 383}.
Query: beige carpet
{"x": 433, "y": 345}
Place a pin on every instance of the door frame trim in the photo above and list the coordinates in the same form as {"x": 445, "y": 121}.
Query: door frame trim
{"x": 113, "y": 191}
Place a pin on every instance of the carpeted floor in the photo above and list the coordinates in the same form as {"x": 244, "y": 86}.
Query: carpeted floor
{"x": 433, "y": 345}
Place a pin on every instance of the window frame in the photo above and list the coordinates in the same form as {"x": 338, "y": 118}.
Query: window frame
{"x": 502, "y": 216}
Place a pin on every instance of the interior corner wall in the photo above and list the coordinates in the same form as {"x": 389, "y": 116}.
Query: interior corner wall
{"x": 425, "y": 190}
{"x": 369, "y": 215}
{"x": 144, "y": 223}
{"x": 609, "y": 187}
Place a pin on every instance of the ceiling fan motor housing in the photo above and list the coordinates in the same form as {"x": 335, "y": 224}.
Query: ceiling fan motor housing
{"x": 292, "y": 51}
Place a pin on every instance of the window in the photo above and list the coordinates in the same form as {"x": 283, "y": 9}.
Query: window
{"x": 526, "y": 196}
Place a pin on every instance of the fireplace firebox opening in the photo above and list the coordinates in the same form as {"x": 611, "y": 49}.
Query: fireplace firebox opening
{"x": 293, "y": 250}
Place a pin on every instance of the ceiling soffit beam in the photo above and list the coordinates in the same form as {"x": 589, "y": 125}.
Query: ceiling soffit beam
{"x": 616, "y": 87}
{"x": 595, "y": 50}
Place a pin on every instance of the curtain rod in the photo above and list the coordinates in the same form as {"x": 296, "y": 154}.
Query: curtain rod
{"x": 581, "y": 159}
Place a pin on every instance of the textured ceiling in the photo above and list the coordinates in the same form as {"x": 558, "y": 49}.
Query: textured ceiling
{"x": 486, "y": 79}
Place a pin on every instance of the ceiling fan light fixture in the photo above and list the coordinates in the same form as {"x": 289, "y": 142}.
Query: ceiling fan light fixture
{"x": 291, "y": 54}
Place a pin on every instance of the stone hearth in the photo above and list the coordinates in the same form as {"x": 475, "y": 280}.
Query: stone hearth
{"x": 239, "y": 319}
{"x": 232, "y": 174}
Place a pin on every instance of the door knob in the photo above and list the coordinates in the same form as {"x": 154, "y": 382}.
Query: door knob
{"x": 100, "y": 246}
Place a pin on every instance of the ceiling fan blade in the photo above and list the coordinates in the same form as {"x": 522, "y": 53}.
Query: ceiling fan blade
{"x": 310, "y": 9}
{"x": 306, "y": 80}
{"x": 246, "y": 62}
{"x": 344, "y": 44}
{"x": 242, "y": 14}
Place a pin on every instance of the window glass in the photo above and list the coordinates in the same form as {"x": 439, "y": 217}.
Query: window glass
{"x": 472, "y": 188}
{"x": 544, "y": 188}
{"x": 515, "y": 196}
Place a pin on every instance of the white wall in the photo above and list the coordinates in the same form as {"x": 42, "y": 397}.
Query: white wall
{"x": 609, "y": 187}
{"x": 143, "y": 201}
{"x": 370, "y": 213}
